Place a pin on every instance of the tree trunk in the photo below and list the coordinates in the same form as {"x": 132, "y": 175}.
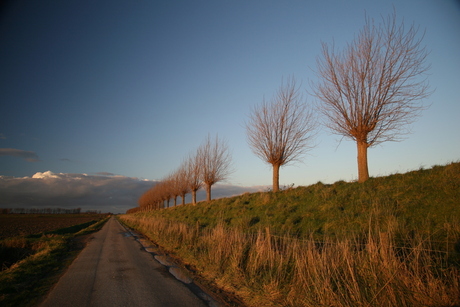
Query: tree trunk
{"x": 175, "y": 201}
{"x": 183, "y": 199}
{"x": 363, "y": 171}
{"x": 208, "y": 192}
{"x": 276, "y": 177}
{"x": 194, "y": 197}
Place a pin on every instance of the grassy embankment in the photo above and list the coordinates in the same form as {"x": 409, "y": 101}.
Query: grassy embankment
{"x": 31, "y": 264}
{"x": 392, "y": 241}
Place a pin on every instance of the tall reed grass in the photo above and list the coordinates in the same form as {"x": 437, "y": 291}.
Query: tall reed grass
{"x": 393, "y": 267}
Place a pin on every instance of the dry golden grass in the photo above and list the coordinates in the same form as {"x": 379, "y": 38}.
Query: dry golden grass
{"x": 266, "y": 270}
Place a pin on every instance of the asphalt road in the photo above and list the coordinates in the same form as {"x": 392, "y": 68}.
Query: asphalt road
{"x": 114, "y": 270}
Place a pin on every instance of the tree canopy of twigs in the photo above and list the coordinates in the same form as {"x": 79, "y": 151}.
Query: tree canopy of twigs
{"x": 215, "y": 161}
{"x": 211, "y": 163}
{"x": 371, "y": 90}
{"x": 194, "y": 175}
{"x": 282, "y": 130}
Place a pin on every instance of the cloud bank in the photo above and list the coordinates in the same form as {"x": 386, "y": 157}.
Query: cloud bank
{"x": 105, "y": 192}
{"x": 26, "y": 155}
{"x": 68, "y": 191}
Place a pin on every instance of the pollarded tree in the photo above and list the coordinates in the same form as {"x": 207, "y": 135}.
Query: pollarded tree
{"x": 215, "y": 162}
{"x": 281, "y": 131}
{"x": 174, "y": 186}
{"x": 163, "y": 193}
{"x": 183, "y": 180}
{"x": 371, "y": 90}
{"x": 194, "y": 175}
{"x": 150, "y": 199}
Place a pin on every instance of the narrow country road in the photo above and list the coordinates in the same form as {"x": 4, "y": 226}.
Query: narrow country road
{"x": 114, "y": 270}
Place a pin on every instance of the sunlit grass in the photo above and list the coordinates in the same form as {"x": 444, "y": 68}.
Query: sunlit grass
{"x": 375, "y": 269}
{"x": 393, "y": 241}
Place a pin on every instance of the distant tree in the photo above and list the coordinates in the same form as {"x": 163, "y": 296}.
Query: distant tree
{"x": 144, "y": 201}
{"x": 282, "y": 130}
{"x": 153, "y": 198}
{"x": 173, "y": 186}
{"x": 165, "y": 192}
{"x": 369, "y": 91}
{"x": 183, "y": 177}
{"x": 215, "y": 162}
{"x": 194, "y": 175}
{"x": 5, "y": 210}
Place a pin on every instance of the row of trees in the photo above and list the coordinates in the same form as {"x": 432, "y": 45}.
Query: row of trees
{"x": 211, "y": 163}
{"x": 45, "y": 211}
{"x": 369, "y": 93}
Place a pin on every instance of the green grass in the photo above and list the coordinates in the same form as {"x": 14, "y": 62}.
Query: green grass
{"x": 44, "y": 256}
{"x": 392, "y": 241}
{"x": 421, "y": 199}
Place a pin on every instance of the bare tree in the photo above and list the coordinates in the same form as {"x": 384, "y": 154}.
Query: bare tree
{"x": 173, "y": 184}
{"x": 151, "y": 199}
{"x": 281, "y": 131}
{"x": 369, "y": 91}
{"x": 183, "y": 177}
{"x": 194, "y": 175}
{"x": 215, "y": 161}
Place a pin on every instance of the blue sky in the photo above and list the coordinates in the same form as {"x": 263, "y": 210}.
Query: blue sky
{"x": 131, "y": 87}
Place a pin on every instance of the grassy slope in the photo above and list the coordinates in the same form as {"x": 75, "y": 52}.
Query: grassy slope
{"x": 423, "y": 200}
{"x": 392, "y": 241}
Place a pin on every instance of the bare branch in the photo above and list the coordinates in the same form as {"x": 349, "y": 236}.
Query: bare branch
{"x": 371, "y": 91}
{"x": 281, "y": 131}
{"x": 215, "y": 162}
{"x": 194, "y": 174}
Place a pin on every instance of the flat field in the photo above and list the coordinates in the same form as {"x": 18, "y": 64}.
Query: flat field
{"x": 12, "y": 225}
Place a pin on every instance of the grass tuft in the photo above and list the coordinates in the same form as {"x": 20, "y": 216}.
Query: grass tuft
{"x": 391, "y": 241}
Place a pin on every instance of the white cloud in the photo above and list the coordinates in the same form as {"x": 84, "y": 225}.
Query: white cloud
{"x": 44, "y": 175}
{"x": 114, "y": 194}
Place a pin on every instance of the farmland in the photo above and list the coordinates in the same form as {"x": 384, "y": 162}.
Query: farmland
{"x": 12, "y": 225}
{"x": 36, "y": 248}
